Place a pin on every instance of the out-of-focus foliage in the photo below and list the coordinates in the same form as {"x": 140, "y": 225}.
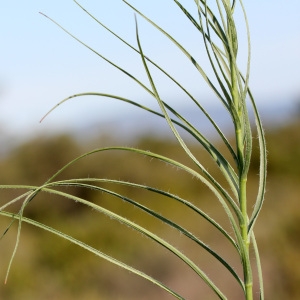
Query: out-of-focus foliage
{"x": 49, "y": 268}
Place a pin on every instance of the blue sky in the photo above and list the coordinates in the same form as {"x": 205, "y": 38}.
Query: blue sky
{"x": 41, "y": 65}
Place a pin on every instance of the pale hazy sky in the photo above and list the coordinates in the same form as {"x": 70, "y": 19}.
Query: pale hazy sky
{"x": 41, "y": 65}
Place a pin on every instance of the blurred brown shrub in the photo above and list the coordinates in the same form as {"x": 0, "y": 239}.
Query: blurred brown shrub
{"x": 49, "y": 268}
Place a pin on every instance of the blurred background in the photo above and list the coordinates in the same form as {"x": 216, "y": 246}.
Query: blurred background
{"x": 41, "y": 65}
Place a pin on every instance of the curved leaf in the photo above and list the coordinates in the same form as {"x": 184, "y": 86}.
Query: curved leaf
{"x": 94, "y": 251}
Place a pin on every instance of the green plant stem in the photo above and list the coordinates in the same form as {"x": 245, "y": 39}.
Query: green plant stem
{"x": 243, "y": 206}
{"x": 240, "y": 122}
{"x": 244, "y": 222}
{"x": 244, "y": 232}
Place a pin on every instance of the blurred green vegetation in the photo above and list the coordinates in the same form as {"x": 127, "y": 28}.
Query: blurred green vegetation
{"x": 47, "y": 267}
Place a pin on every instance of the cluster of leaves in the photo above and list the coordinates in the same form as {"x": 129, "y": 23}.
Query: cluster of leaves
{"x": 219, "y": 34}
